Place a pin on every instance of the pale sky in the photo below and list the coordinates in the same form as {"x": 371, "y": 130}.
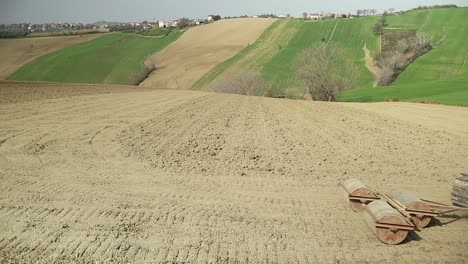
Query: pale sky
{"x": 88, "y": 11}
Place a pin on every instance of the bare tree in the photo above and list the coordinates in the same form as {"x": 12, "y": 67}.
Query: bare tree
{"x": 324, "y": 73}
{"x": 359, "y": 12}
{"x": 305, "y": 15}
{"x": 184, "y": 22}
{"x": 393, "y": 63}
{"x": 246, "y": 83}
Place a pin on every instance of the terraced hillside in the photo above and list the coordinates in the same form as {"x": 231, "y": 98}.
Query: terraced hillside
{"x": 276, "y": 50}
{"x": 170, "y": 176}
{"x": 115, "y": 58}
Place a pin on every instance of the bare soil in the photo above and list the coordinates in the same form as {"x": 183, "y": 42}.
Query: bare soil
{"x": 15, "y": 53}
{"x": 19, "y": 92}
{"x": 186, "y": 176}
{"x": 181, "y": 64}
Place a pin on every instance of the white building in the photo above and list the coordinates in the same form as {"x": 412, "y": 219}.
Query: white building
{"x": 314, "y": 16}
{"x": 167, "y": 24}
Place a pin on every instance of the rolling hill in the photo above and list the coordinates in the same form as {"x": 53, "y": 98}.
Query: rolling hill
{"x": 276, "y": 50}
{"x": 445, "y": 66}
{"x": 15, "y": 53}
{"x": 439, "y": 76}
{"x": 115, "y": 58}
{"x": 200, "y": 49}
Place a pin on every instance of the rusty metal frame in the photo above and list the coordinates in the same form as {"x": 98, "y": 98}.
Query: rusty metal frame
{"x": 395, "y": 226}
{"x": 442, "y": 209}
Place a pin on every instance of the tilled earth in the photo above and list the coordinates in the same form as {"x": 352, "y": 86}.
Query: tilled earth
{"x": 184, "y": 176}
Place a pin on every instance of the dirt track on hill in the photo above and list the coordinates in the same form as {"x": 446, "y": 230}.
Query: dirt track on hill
{"x": 186, "y": 176}
{"x": 181, "y": 64}
{"x": 15, "y": 53}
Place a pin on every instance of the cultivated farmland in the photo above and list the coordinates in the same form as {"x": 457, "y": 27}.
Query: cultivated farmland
{"x": 190, "y": 176}
{"x": 200, "y": 49}
{"x": 17, "y": 52}
{"x": 115, "y": 58}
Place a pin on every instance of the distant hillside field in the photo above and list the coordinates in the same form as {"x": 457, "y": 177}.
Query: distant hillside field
{"x": 276, "y": 50}
{"x": 439, "y": 76}
{"x": 15, "y": 53}
{"x": 115, "y": 58}
{"x": 449, "y": 28}
{"x": 200, "y": 49}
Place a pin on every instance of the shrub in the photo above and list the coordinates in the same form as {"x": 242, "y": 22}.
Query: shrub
{"x": 246, "y": 83}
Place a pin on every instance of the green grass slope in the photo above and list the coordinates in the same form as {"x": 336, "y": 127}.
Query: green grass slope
{"x": 449, "y": 28}
{"x": 450, "y": 91}
{"x": 438, "y": 76}
{"x": 276, "y": 50}
{"x": 115, "y": 58}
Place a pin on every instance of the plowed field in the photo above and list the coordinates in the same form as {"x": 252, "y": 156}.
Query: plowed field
{"x": 200, "y": 49}
{"x": 187, "y": 176}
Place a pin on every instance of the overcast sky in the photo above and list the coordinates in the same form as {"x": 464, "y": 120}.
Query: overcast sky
{"x": 87, "y": 11}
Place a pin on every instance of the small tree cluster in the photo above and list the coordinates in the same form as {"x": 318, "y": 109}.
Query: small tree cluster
{"x": 6, "y": 33}
{"x": 366, "y": 12}
{"x": 183, "y": 22}
{"x": 435, "y": 6}
{"x": 216, "y": 17}
{"x": 379, "y": 26}
{"x": 246, "y": 83}
{"x": 324, "y": 73}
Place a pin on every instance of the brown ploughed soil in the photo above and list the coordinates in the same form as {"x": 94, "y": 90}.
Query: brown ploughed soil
{"x": 187, "y": 176}
{"x": 181, "y": 64}
{"x": 15, "y": 53}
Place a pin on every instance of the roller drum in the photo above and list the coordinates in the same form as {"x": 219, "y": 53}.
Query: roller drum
{"x": 356, "y": 187}
{"x": 380, "y": 212}
{"x": 412, "y": 202}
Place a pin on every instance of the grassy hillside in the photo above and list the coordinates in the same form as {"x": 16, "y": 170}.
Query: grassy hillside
{"x": 440, "y": 75}
{"x": 449, "y": 28}
{"x": 451, "y": 91}
{"x": 113, "y": 58}
{"x": 276, "y": 50}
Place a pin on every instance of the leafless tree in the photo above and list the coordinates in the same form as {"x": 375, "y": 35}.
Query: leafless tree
{"x": 359, "y": 12}
{"x": 305, "y": 15}
{"x": 406, "y": 50}
{"x": 184, "y": 22}
{"x": 324, "y": 73}
{"x": 246, "y": 83}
